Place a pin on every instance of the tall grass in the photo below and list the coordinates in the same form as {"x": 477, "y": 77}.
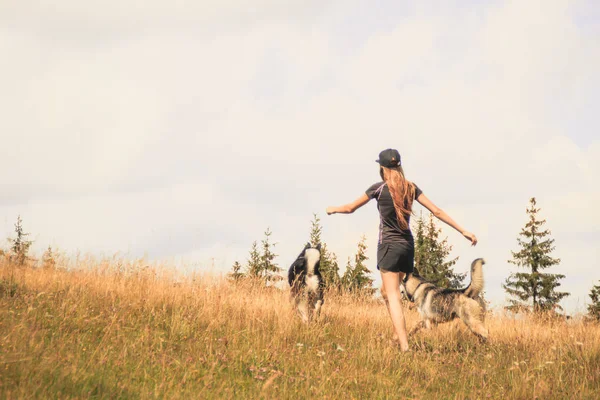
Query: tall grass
{"x": 118, "y": 330}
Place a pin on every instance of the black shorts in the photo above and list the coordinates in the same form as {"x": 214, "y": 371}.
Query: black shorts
{"x": 396, "y": 257}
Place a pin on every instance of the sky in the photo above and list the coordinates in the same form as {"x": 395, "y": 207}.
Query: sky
{"x": 180, "y": 131}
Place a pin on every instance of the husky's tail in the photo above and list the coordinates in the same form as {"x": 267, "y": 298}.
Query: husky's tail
{"x": 476, "y": 285}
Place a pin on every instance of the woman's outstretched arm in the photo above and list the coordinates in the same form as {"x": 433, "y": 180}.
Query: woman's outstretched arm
{"x": 350, "y": 207}
{"x": 442, "y": 216}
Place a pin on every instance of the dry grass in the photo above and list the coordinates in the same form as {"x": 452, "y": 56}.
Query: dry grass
{"x": 116, "y": 330}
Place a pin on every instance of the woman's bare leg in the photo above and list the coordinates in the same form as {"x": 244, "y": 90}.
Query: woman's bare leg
{"x": 391, "y": 288}
{"x": 387, "y": 306}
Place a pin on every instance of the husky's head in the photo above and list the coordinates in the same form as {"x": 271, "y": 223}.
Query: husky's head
{"x": 410, "y": 283}
{"x": 310, "y": 257}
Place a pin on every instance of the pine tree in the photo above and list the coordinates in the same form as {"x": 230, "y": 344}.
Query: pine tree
{"x": 48, "y": 261}
{"x": 261, "y": 263}
{"x": 269, "y": 269}
{"x": 534, "y": 255}
{"x": 19, "y": 245}
{"x": 356, "y": 279}
{"x": 347, "y": 279}
{"x": 253, "y": 267}
{"x": 315, "y": 231}
{"x": 431, "y": 254}
{"x": 236, "y": 274}
{"x": 331, "y": 278}
{"x": 328, "y": 265}
{"x": 594, "y": 308}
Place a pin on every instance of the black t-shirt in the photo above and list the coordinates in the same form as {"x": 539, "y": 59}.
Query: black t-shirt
{"x": 389, "y": 229}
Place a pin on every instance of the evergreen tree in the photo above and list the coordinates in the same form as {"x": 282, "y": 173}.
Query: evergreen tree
{"x": 431, "y": 253}
{"x": 269, "y": 269}
{"x": 328, "y": 265}
{"x": 48, "y": 261}
{"x": 315, "y": 231}
{"x": 594, "y": 308}
{"x": 356, "y": 278}
{"x": 236, "y": 273}
{"x": 19, "y": 245}
{"x": 331, "y": 278}
{"x": 253, "y": 267}
{"x": 534, "y": 256}
{"x": 347, "y": 278}
{"x": 261, "y": 263}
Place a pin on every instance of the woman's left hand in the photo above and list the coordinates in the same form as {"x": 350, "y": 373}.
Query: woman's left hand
{"x": 471, "y": 237}
{"x": 330, "y": 210}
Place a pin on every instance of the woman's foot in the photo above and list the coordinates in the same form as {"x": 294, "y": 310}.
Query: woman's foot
{"x": 396, "y": 342}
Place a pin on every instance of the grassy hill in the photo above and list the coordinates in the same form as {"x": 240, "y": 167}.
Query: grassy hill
{"x": 117, "y": 330}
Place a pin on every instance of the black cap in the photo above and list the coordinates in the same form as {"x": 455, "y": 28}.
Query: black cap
{"x": 389, "y": 158}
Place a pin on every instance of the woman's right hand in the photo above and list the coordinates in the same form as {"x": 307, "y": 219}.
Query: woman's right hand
{"x": 471, "y": 237}
{"x": 350, "y": 207}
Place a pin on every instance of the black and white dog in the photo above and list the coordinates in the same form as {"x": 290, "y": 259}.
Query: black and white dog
{"x": 306, "y": 282}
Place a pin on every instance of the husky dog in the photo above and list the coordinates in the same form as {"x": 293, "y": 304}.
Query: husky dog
{"x": 306, "y": 282}
{"x": 437, "y": 304}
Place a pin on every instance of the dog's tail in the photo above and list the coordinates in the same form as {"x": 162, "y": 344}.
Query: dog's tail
{"x": 476, "y": 285}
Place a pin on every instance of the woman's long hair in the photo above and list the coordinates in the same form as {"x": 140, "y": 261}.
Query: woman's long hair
{"x": 402, "y": 192}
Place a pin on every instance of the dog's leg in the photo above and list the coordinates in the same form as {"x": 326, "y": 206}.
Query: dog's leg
{"x": 481, "y": 332}
{"x": 418, "y": 327}
{"x": 303, "y": 310}
{"x": 431, "y": 323}
{"x": 471, "y": 315}
{"x": 477, "y": 327}
{"x": 318, "y": 305}
{"x": 311, "y": 306}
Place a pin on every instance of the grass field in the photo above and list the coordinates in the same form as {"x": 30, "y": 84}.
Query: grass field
{"x": 116, "y": 330}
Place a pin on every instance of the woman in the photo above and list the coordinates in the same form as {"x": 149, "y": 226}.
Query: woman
{"x": 396, "y": 247}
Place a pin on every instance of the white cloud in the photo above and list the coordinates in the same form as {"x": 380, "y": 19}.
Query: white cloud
{"x": 104, "y": 18}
